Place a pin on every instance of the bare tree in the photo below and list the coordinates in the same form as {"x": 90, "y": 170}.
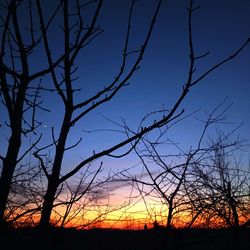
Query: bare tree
{"x": 164, "y": 174}
{"x": 219, "y": 187}
{"x": 20, "y": 88}
{"x": 76, "y": 35}
{"x": 73, "y": 112}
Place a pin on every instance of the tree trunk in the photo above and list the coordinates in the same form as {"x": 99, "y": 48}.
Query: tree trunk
{"x": 232, "y": 204}
{"x": 9, "y": 164}
{"x": 235, "y": 215}
{"x": 53, "y": 181}
{"x": 48, "y": 204}
{"x": 170, "y": 215}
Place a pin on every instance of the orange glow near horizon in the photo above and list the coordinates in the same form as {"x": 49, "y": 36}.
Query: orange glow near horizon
{"x": 132, "y": 218}
{"x": 113, "y": 213}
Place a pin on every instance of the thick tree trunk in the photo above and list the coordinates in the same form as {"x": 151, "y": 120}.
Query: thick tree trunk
{"x": 235, "y": 215}
{"x": 53, "y": 181}
{"x": 233, "y": 206}
{"x": 9, "y": 164}
{"x": 170, "y": 215}
{"x": 48, "y": 204}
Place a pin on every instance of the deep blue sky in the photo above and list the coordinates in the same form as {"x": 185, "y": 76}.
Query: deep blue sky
{"x": 219, "y": 27}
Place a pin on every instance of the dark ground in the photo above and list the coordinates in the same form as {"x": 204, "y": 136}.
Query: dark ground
{"x": 223, "y": 239}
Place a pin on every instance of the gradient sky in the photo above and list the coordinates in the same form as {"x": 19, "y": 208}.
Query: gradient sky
{"x": 219, "y": 27}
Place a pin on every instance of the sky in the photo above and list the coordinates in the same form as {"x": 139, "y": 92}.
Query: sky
{"x": 219, "y": 27}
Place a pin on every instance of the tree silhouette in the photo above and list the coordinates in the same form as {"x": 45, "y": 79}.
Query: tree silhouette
{"x": 75, "y": 36}
{"x": 165, "y": 174}
{"x": 219, "y": 186}
{"x": 20, "y": 89}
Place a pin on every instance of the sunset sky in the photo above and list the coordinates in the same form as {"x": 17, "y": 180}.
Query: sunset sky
{"x": 219, "y": 27}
